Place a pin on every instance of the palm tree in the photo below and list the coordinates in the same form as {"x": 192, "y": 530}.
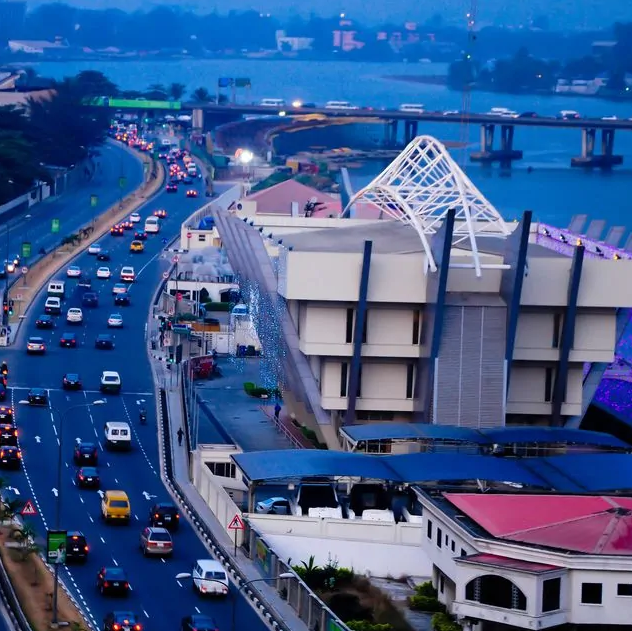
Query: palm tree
{"x": 201, "y": 95}
{"x": 11, "y": 508}
{"x": 177, "y": 90}
{"x": 25, "y": 536}
{"x": 156, "y": 91}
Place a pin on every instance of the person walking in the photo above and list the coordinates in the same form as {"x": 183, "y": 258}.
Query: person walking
{"x": 277, "y": 410}
{"x": 180, "y": 437}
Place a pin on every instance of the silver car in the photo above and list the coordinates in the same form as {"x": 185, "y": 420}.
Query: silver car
{"x": 156, "y": 541}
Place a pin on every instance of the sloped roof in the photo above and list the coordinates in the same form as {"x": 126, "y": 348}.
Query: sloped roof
{"x": 591, "y": 525}
{"x": 277, "y": 200}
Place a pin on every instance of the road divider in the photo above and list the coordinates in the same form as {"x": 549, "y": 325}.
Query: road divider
{"x": 26, "y": 288}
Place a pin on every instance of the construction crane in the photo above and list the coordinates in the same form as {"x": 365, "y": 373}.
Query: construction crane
{"x": 466, "y": 99}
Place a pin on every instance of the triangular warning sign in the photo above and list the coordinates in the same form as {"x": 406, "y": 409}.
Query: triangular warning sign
{"x": 28, "y": 509}
{"x": 236, "y": 523}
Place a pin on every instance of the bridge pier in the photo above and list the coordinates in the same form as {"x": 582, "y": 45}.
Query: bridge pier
{"x": 410, "y": 131}
{"x": 488, "y": 155}
{"x": 390, "y": 133}
{"x": 588, "y": 159}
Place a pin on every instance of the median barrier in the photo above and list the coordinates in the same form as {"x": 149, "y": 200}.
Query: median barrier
{"x": 25, "y": 288}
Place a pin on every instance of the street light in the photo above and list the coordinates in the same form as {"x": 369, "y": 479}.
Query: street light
{"x": 282, "y": 576}
{"x": 60, "y": 460}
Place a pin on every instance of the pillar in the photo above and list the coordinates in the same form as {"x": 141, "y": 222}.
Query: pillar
{"x": 487, "y": 138}
{"x": 588, "y": 142}
{"x": 607, "y": 142}
{"x": 506, "y": 137}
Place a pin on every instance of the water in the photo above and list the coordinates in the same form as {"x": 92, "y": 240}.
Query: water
{"x": 552, "y": 190}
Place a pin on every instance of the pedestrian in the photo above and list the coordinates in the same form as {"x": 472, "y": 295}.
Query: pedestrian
{"x": 180, "y": 436}
{"x": 277, "y": 410}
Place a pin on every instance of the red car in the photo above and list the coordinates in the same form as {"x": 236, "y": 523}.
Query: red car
{"x": 171, "y": 188}
{"x": 116, "y": 231}
{"x": 192, "y": 193}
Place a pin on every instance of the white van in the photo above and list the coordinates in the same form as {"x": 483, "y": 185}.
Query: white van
{"x": 209, "y": 577}
{"x": 191, "y": 169}
{"x": 416, "y": 108}
{"x": 52, "y": 305}
{"x": 118, "y": 435}
{"x": 57, "y": 288}
{"x": 152, "y": 224}
{"x": 340, "y": 105}
{"x": 272, "y": 102}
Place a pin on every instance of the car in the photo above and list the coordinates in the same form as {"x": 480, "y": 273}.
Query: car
{"x": 85, "y": 454}
{"x": 110, "y": 381}
{"x": 68, "y": 340}
{"x": 35, "y": 345}
{"x": 160, "y": 213}
{"x": 8, "y": 435}
{"x": 94, "y": 248}
{"x": 273, "y": 506}
{"x": 9, "y": 267}
{"x": 115, "y": 506}
{"x": 85, "y": 283}
{"x": 209, "y": 578}
{"x": 76, "y": 546}
{"x": 134, "y": 217}
{"x": 528, "y": 115}
{"x": 192, "y": 193}
{"x": 128, "y": 275}
{"x": 10, "y": 457}
{"x": 155, "y": 541}
{"x": 88, "y": 478}
{"x": 119, "y": 288}
{"x": 104, "y": 341}
{"x": 117, "y": 230}
{"x": 90, "y": 299}
{"x": 115, "y": 320}
{"x": 136, "y": 246}
{"x": 103, "y": 255}
{"x": 172, "y": 187}
{"x": 165, "y": 515}
{"x": 127, "y": 225}
{"x": 122, "y": 621}
{"x": 140, "y": 236}
{"x": 3, "y": 391}
{"x": 6, "y": 414}
{"x": 73, "y": 271}
{"x": 104, "y": 273}
{"x": 198, "y": 622}
{"x": 187, "y": 179}
{"x": 74, "y": 316}
{"x": 37, "y": 396}
{"x": 71, "y": 381}
{"x": 112, "y": 581}
{"x": 122, "y": 300}
{"x": 52, "y": 305}
{"x": 44, "y": 322}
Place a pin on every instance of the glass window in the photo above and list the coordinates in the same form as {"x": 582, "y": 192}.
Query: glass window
{"x": 624, "y": 589}
{"x": 551, "y": 590}
{"x": 592, "y": 593}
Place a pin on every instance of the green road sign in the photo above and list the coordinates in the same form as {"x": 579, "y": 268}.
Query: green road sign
{"x": 54, "y": 225}
{"x": 122, "y": 182}
{"x": 56, "y": 546}
{"x": 145, "y": 167}
{"x": 242, "y": 83}
{"x": 94, "y": 200}
{"x": 26, "y": 249}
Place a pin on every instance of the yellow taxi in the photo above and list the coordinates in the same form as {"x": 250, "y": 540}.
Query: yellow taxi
{"x": 136, "y": 246}
{"x": 115, "y": 506}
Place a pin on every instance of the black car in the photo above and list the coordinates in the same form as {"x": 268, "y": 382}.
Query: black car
{"x": 198, "y": 622}
{"x": 528, "y": 115}
{"x": 76, "y": 547}
{"x": 164, "y": 515}
{"x": 104, "y": 341}
{"x": 103, "y": 255}
{"x": 122, "y": 300}
{"x": 140, "y": 236}
{"x": 90, "y": 299}
{"x": 86, "y": 454}
{"x": 6, "y": 414}
{"x": 38, "y": 396}
{"x": 44, "y": 322}
{"x": 172, "y": 187}
{"x": 122, "y": 621}
{"x": 71, "y": 381}
{"x": 112, "y": 581}
{"x": 10, "y": 457}
{"x": 88, "y": 478}
{"x": 3, "y": 392}
{"x": 68, "y": 340}
{"x": 8, "y": 435}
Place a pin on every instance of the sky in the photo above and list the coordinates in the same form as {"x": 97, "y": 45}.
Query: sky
{"x": 564, "y": 14}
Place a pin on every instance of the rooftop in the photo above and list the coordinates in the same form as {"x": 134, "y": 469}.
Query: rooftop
{"x": 494, "y": 560}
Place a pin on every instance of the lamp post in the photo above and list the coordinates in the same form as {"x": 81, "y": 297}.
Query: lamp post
{"x": 60, "y": 461}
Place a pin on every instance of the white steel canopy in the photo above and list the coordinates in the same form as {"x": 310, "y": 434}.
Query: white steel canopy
{"x": 421, "y": 185}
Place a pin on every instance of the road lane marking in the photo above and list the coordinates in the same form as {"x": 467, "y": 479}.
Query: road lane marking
{"x": 102, "y": 539}
{"x": 163, "y": 559}
{"x": 138, "y": 440}
{"x": 81, "y": 499}
{"x": 136, "y": 518}
{"x": 198, "y": 610}
{"x": 90, "y": 518}
{"x": 179, "y": 583}
{"x": 114, "y": 561}
{"x": 140, "y": 394}
{"x": 146, "y": 614}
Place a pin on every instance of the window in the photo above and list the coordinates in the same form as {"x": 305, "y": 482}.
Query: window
{"x": 410, "y": 380}
{"x": 592, "y": 593}
{"x": 429, "y": 529}
{"x": 447, "y": 539}
{"x": 453, "y": 546}
{"x": 201, "y": 237}
{"x": 416, "y": 327}
{"x": 359, "y": 389}
{"x": 366, "y": 326}
{"x": 496, "y": 591}
{"x": 557, "y": 319}
{"x": 548, "y": 384}
{"x": 463, "y": 553}
{"x": 551, "y": 590}
{"x": 439, "y": 537}
{"x": 624, "y": 589}
{"x": 222, "y": 469}
{"x": 349, "y": 334}
{"x": 344, "y": 378}
{"x": 441, "y": 583}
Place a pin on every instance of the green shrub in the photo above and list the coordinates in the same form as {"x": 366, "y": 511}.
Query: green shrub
{"x": 259, "y": 393}
{"x": 249, "y": 387}
{"x": 443, "y": 622}
{"x": 365, "y": 625}
{"x": 186, "y": 317}
{"x": 425, "y": 603}
{"x": 217, "y": 306}
{"x": 426, "y": 589}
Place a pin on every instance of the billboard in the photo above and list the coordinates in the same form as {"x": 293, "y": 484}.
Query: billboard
{"x": 56, "y": 546}
{"x": 141, "y": 104}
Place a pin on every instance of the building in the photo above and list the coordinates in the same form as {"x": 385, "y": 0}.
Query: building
{"x": 443, "y": 314}
{"x": 38, "y": 47}
{"x": 12, "y": 14}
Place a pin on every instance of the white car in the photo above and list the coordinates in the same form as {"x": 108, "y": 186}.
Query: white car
{"x": 115, "y": 320}
{"x": 73, "y": 271}
{"x": 209, "y": 577}
{"x": 95, "y": 248}
{"x": 104, "y": 272}
{"x": 74, "y": 315}
{"x": 110, "y": 381}
{"x": 609, "y": 118}
{"x": 128, "y": 275}
{"x": 134, "y": 217}
{"x": 119, "y": 288}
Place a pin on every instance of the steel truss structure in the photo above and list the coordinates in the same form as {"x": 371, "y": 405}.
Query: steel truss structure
{"x": 421, "y": 185}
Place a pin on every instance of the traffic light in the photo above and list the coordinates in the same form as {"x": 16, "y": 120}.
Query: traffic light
{"x": 171, "y": 358}
{"x": 179, "y": 354}
{"x": 10, "y": 307}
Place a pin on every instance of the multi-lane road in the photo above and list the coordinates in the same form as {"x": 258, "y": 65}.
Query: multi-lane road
{"x": 159, "y": 599}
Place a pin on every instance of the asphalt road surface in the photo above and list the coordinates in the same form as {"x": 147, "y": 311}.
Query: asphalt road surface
{"x": 157, "y": 597}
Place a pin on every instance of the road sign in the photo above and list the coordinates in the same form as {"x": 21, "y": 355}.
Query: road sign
{"x": 25, "y": 270}
{"x": 18, "y": 297}
{"x": 122, "y": 182}
{"x": 94, "y": 200}
{"x": 175, "y": 259}
{"x": 28, "y": 509}
{"x": 178, "y": 296}
{"x": 54, "y": 225}
{"x": 26, "y": 249}
{"x": 165, "y": 275}
{"x": 189, "y": 235}
{"x": 236, "y": 523}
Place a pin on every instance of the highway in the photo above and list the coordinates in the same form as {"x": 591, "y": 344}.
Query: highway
{"x": 157, "y": 597}
{"x": 73, "y": 208}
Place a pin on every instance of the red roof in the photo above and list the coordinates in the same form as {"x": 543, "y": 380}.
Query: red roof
{"x": 593, "y": 525}
{"x": 495, "y": 560}
{"x": 277, "y": 199}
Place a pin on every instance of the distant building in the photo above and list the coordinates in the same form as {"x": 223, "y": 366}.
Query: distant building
{"x": 293, "y": 44}
{"x": 12, "y": 14}
{"x": 37, "y": 47}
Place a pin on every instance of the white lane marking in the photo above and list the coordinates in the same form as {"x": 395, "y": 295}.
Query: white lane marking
{"x": 140, "y": 394}
{"x": 146, "y": 614}
{"x": 138, "y": 440}
{"x": 90, "y": 518}
{"x": 95, "y": 432}
{"x": 114, "y": 561}
{"x": 102, "y": 539}
{"x": 81, "y": 499}
{"x": 179, "y": 583}
{"x": 198, "y": 610}
{"x": 163, "y": 559}
{"x": 136, "y": 518}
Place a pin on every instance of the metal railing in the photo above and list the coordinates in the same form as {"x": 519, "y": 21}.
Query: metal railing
{"x": 11, "y": 602}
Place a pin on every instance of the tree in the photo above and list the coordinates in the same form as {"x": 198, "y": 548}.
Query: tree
{"x": 177, "y": 90}
{"x": 201, "y": 95}
{"x": 157, "y": 92}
